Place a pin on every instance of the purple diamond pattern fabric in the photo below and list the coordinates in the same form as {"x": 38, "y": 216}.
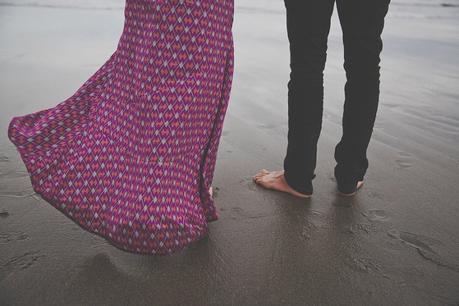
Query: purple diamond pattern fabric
{"x": 131, "y": 155}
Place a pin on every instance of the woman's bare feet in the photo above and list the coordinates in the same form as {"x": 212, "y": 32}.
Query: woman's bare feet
{"x": 359, "y": 185}
{"x": 275, "y": 180}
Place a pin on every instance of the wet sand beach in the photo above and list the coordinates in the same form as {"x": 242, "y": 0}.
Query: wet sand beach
{"x": 395, "y": 243}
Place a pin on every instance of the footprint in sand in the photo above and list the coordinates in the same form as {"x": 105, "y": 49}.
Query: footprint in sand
{"x": 376, "y": 215}
{"x": 13, "y": 236}
{"x": 404, "y": 160}
{"x": 20, "y": 262}
{"x": 3, "y": 158}
{"x": 4, "y": 213}
{"x": 366, "y": 265}
{"x": 362, "y": 228}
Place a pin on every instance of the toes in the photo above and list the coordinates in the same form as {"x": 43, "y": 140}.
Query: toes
{"x": 259, "y": 181}
{"x": 259, "y": 175}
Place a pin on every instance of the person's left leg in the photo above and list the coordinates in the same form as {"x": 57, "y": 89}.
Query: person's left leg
{"x": 362, "y": 22}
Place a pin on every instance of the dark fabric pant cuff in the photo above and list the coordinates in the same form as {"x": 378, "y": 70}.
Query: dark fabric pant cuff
{"x": 347, "y": 184}
{"x": 299, "y": 185}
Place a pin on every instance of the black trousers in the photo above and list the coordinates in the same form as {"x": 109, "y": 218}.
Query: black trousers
{"x": 308, "y": 25}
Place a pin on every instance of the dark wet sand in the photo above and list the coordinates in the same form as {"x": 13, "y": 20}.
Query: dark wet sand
{"x": 395, "y": 243}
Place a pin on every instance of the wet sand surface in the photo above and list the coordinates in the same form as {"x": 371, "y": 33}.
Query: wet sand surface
{"x": 395, "y": 243}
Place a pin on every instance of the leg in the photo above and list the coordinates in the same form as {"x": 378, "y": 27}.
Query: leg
{"x": 308, "y": 25}
{"x": 362, "y": 22}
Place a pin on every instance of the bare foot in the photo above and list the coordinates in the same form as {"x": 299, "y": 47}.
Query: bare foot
{"x": 275, "y": 180}
{"x": 359, "y": 185}
{"x": 211, "y": 192}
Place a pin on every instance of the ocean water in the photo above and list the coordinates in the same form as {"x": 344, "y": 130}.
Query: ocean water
{"x": 399, "y": 8}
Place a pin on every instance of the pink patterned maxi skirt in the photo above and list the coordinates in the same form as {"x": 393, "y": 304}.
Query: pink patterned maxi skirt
{"x": 131, "y": 155}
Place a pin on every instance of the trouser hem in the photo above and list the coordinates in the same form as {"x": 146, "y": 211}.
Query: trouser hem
{"x": 299, "y": 185}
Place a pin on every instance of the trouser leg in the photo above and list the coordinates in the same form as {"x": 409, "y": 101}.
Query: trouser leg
{"x": 362, "y": 22}
{"x": 308, "y": 25}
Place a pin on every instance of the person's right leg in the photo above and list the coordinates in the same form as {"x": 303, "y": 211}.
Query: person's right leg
{"x": 308, "y": 25}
